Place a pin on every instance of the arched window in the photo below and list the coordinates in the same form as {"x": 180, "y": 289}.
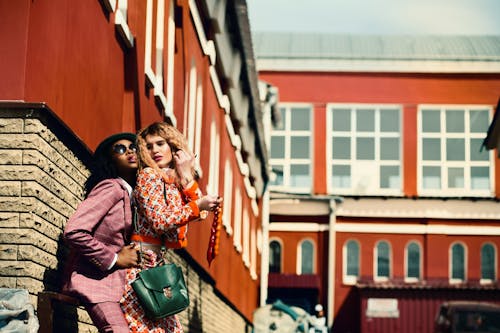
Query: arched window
{"x": 488, "y": 259}
{"x": 413, "y": 261}
{"x": 383, "y": 261}
{"x": 351, "y": 262}
{"x": 306, "y": 257}
{"x": 457, "y": 263}
{"x": 274, "y": 257}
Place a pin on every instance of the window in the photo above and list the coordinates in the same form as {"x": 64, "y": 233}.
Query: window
{"x": 291, "y": 149}
{"x": 246, "y": 238}
{"x": 237, "y": 219}
{"x": 306, "y": 257}
{"x": 253, "y": 253}
{"x": 413, "y": 262}
{"x": 351, "y": 262}
{"x": 383, "y": 261}
{"x": 364, "y": 149}
{"x": 274, "y": 257}
{"x": 228, "y": 197}
{"x": 457, "y": 261}
{"x": 488, "y": 260}
{"x": 213, "y": 176}
{"x": 451, "y": 162}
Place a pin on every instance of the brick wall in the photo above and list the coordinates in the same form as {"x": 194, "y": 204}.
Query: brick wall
{"x": 42, "y": 172}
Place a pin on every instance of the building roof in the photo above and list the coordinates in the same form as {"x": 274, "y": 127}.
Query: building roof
{"x": 327, "y": 50}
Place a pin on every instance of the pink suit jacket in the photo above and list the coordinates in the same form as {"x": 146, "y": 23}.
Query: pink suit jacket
{"x": 99, "y": 228}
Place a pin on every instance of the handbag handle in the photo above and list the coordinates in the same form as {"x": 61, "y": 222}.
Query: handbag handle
{"x": 135, "y": 214}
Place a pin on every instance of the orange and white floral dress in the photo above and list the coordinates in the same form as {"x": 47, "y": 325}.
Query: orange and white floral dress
{"x": 163, "y": 210}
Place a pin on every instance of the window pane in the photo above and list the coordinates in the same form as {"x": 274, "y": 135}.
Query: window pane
{"x": 365, "y": 148}
{"x": 431, "y": 121}
{"x": 458, "y": 262}
{"x": 479, "y": 121}
{"x": 307, "y": 257}
{"x": 277, "y": 175}
{"x": 277, "y": 147}
{"x": 341, "y": 148}
{"x": 282, "y": 122}
{"x": 341, "y": 176}
{"x": 299, "y": 175}
{"x": 413, "y": 261}
{"x": 480, "y": 178}
{"x": 455, "y": 121}
{"x": 432, "y": 177}
{"x": 475, "y": 151}
{"x": 383, "y": 259}
{"x": 431, "y": 149}
{"x": 299, "y": 147}
{"x": 300, "y": 119}
{"x": 389, "y": 120}
{"x": 341, "y": 120}
{"x": 389, "y": 149}
{"x": 352, "y": 258}
{"x": 456, "y": 178}
{"x": 455, "y": 149}
{"x": 389, "y": 177}
{"x": 488, "y": 262}
{"x": 274, "y": 257}
{"x": 365, "y": 120}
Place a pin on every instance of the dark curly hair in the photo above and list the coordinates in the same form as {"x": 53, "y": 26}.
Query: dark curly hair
{"x": 103, "y": 167}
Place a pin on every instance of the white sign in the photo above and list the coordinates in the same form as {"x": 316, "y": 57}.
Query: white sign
{"x": 382, "y": 308}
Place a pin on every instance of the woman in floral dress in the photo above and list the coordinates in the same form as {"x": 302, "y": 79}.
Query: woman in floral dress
{"x": 167, "y": 197}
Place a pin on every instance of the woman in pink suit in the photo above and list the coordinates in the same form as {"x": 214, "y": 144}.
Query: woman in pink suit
{"x": 99, "y": 234}
{"x": 167, "y": 198}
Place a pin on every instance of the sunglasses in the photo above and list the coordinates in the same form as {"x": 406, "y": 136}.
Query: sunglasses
{"x": 122, "y": 149}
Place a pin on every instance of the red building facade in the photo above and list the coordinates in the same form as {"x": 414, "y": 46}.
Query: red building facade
{"x": 381, "y": 192}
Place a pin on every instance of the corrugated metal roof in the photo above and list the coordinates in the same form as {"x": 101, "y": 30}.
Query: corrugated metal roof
{"x": 278, "y": 45}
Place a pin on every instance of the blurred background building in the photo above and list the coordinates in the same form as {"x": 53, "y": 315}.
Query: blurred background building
{"x": 383, "y": 200}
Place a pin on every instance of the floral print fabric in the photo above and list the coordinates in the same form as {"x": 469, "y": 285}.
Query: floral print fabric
{"x": 163, "y": 211}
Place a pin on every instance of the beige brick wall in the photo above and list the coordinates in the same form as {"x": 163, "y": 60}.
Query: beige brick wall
{"x": 41, "y": 184}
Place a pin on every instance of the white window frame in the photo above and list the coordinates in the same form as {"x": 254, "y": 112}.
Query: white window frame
{"x": 450, "y": 266}
{"x": 364, "y": 169}
{"x": 253, "y": 253}
{"x": 409, "y": 279}
{"x": 299, "y": 255}
{"x": 350, "y": 279}
{"x": 246, "y": 238}
{"x": 213, "y": 176}
{"x": 121, "y": 23}
{"x": 287, "y": 161}
{"x": 444, "y": 191}
{"x": 155, "y": 78}
{"x": 238, "y": 215}
{"x": 228, "y": 197}
{"x": 495, "y": 266}
{"x": 376, "y": 277}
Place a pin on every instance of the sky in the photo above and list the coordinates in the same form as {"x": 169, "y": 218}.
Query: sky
{"x": 385, "y": 17}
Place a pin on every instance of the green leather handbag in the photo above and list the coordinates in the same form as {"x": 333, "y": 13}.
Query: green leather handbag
{"x": 161, "y": 291}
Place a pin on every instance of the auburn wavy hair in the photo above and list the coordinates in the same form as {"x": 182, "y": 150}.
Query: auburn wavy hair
{"x": 175, "y": 139}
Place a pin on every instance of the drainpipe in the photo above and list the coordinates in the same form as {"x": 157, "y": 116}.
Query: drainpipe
{"x": 331, "y": 262}
{"x": 264, "y": 269}
{"x": 269, "y": 100}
